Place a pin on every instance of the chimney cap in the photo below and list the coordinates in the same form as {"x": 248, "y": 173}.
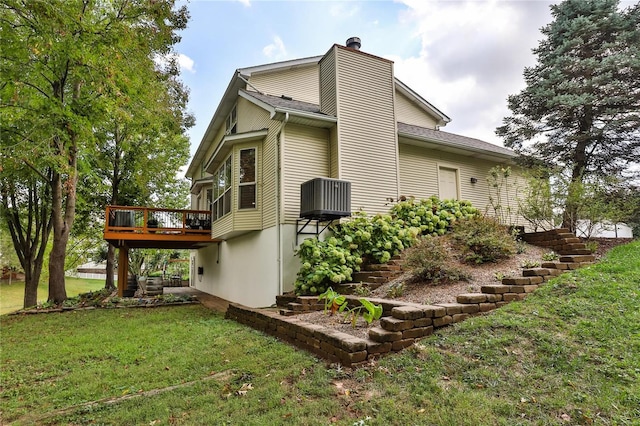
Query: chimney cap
{"x": 354, "y": 43}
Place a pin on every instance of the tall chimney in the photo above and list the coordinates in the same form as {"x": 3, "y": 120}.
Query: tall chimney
{"x": 354, "y": 43}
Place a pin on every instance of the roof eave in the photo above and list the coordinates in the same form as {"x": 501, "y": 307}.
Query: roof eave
{"x": 485, "y": 153}
{"x": 227, "y": 101}
{"x": 407, "y": 91}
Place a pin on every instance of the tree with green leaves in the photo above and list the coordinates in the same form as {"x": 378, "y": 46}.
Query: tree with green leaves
{"x": 580, "y": 110}
{"x": 26, "y": 212}
{"x": 65, "y": 65}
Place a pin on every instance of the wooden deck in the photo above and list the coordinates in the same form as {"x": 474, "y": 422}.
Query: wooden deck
{"x": 128, "y": 227}
{"x": 147, "y": 227}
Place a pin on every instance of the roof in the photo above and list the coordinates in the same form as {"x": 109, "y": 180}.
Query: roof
{"x": 452, "y": 140}
{"x": 290, "y": 110}
{"x": 284, "y": 102}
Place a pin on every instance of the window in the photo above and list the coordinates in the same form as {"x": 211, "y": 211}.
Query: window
{"x": 232, "y": 121}
{"x": 222, "y": 190}
{"x": 209, "y": 199}
{"x": 247, "y": 186}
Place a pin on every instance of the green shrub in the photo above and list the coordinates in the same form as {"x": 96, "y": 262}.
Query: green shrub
{"x": 431, "y": 215}
{"x": 376, "y": 238}
{"x": 373, "y": 240}
{"x": 428, "y": 260}
{"x": 324, "y": 263}
{"x": 482, "y": 239}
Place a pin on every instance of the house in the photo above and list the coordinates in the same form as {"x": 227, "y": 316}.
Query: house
{"x": 342, "y": 115}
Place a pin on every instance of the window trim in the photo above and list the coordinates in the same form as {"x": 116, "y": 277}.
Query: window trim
{"x": 231, "y": 122}
{"x": 219, "y": 198}
{"x": 253, "y": 183}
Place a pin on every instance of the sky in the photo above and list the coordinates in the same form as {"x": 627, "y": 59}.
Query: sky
{"x": 464, "y": 57}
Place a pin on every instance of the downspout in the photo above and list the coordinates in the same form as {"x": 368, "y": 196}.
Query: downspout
{"x": 280, "y": 286}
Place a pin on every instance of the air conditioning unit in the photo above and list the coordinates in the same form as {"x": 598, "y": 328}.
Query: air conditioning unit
{"x": 325, "y": 199}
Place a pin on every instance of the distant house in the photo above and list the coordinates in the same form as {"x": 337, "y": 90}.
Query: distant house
{"x": 342, "y": 115}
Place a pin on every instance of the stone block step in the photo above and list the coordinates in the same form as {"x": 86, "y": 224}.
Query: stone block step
{"x": 582, "y": 252}
{"x": 536, "y": 272}
{"x": 577, "y": 258}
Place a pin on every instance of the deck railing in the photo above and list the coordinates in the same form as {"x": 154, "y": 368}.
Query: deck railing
{"x": 149, "y": 220}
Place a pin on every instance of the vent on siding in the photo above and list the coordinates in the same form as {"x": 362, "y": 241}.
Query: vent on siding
{"x": 325, "y": 199}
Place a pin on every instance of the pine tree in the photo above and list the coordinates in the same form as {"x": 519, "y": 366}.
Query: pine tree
{"x": 580, "y": 110}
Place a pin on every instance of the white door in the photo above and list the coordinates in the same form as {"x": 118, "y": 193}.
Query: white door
{"x": 448, "y": 183}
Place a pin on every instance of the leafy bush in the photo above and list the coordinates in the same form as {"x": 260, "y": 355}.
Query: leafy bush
{"x": 427, "y": 261}
{"x": 550, "y": 256}
{"x": 482, "y": 239}
{"x": 376, "y": 238}
{"x": 431, "y": 215}
{"x": 373, "y": 240}
{"x": 324, "y": 263}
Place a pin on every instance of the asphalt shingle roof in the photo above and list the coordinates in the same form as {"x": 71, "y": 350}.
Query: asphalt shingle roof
{"x": 437, "y": 136}
{"x": 452, "y": 139}
{"x": 285, "y": 102}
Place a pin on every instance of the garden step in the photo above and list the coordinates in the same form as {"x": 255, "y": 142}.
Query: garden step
{"x": 572, "y": 240}
{"x": 286, "y": 312}
{"x": 350, "y": 288}
{"x": 495, "y": 288}
{"x": 581, "y": 252}
{"x": 577, "y": 258}
{"x": 283, "y": 299}
{"x": 535, "y": 272}
{"x": 382, "y": 267}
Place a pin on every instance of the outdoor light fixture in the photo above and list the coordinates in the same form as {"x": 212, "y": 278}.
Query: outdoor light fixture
{"x": 474, "y": 180}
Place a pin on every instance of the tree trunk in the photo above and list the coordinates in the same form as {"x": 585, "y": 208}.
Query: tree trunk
{"x": 61, "y": 230}
{"x": 585, "y": 124}
{"x": 109, "y": 284}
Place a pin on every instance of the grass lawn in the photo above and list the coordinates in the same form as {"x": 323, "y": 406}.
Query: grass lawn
{"x": 569, "y": 354}
{"x": 12, "y": 295}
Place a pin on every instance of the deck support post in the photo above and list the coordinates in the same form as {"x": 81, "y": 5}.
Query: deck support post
{"x": 123, "y": 269}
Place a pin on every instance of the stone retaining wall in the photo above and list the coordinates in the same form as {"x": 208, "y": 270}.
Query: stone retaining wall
{"x": 402, "y": 323}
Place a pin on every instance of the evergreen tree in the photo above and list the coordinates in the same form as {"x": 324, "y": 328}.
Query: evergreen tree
{"x": 581, "y": 107}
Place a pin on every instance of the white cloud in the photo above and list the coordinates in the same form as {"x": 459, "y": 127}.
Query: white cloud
{"x": 246, "y": 3}
{"x": 276, "y": 50}
{"x": 341, "y": 10}
{"x": 472, "y": 57}
{"x": 186, "y": 63}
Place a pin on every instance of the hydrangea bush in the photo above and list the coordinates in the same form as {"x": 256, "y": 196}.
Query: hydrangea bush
{"x": 373, "y": 239}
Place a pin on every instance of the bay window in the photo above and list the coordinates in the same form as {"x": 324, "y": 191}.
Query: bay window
{"x": 222, "y": 190}
{"x": 247, "y": 184}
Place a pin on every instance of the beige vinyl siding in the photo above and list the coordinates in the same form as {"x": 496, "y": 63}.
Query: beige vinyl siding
{"x": 267, "y": 189}
{"x": 418, "y": 172}
{"x": 299, "y": 83}
{"x": 251, "y": 117}
{"x": 419, "y": 176}
{"x": 410, "y": 113}
{"x": 328, "y": 95}
{"x": 367, "y": 129}
{"x": 334, "y": 164}
{"x": 222, "y": 226}
{"x": 246, "y": 219}
{"x": 305, "y": 157}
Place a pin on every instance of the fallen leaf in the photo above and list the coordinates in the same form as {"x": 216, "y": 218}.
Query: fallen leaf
{"x": 524, "y": 400}
{"x": 422, "y": 410}
{"x": 565, "y": 417}
{"x": 446, "y": 378}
